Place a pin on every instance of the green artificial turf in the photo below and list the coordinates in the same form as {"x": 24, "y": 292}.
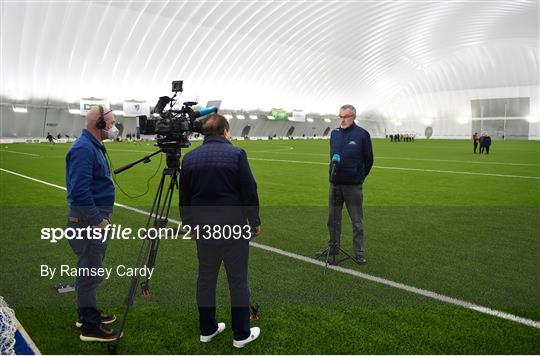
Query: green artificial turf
{"x": 437, "y": 217}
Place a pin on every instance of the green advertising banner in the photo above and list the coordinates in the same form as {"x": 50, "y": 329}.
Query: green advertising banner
{"x": 88, "y": 103}
{"x": 280, "y": 114}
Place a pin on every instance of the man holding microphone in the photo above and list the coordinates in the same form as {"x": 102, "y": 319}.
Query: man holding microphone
{"x": 352, "y": 158}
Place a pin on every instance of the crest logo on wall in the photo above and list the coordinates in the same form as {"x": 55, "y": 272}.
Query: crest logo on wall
{"x": 134, "y": 108}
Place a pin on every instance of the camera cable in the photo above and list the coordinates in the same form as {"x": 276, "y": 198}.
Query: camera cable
{"x": 113, "y": 175}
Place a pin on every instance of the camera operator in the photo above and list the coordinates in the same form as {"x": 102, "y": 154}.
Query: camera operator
{"x": 217, "y": 188}
{"x": 90, "y": 193}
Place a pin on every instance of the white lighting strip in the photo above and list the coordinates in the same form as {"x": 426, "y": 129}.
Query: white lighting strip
{"x": 20, "y": 110}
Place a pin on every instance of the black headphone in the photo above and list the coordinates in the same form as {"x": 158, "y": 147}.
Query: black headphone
{"x": 100, "y": 123}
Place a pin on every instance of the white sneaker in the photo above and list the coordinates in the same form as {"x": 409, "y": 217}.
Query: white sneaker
{"x": 255, "y": 332}
{"x": 208, "y": 338}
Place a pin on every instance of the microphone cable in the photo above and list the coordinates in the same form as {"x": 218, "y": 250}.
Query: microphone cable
{"x": 113, "y": 176}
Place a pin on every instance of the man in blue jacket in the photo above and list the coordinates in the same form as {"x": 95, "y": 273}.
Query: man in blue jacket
{"x": 353, "y": 145}
{"x": 90, "y": 193}
{"x": 217, "y": 190}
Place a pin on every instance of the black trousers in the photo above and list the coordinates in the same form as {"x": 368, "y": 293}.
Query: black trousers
{"x": 234, "y": 255}
{"x": 475, "y": 147}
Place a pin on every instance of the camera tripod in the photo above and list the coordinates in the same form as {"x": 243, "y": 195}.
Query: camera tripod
{"x": 333, "y": 247}
{"x": 158, "y": 218}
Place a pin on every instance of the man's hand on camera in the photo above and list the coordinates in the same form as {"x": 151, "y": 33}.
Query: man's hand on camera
{"x": 103, "y": 224}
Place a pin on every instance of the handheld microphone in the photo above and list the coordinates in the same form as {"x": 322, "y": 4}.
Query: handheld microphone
{"x": 335, "y": 161}
{"x": 203, "y": 112}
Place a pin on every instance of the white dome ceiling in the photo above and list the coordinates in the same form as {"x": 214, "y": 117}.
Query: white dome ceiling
{"x": 312, "y": 55}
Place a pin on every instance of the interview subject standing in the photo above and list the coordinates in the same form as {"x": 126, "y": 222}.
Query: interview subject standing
{"x": 90, "y": 193}
{"x": 217, "y": 189}
{"x": 352, "y": 144}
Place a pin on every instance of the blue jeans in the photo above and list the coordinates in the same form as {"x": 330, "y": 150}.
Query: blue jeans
{"x": 234, "y": 255}
{"x": 90, "y": 254}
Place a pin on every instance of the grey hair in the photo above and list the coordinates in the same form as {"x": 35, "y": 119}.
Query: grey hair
{"x": 349, "y": 107}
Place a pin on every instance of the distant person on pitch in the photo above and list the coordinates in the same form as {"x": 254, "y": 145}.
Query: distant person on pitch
{"x": 90, "y": 193}
{"x": 482, "y": 142}
{"x": 217, "y": 189}
{"x": 352, "y": 144}
{"x": 487, "y": 142}
{"x": 476, "y": 141}
{"x": 50, "y": 137}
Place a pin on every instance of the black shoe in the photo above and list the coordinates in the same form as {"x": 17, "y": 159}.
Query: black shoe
{"x": 100, "y": 334}
{"x": 105, "y": 319}
{"x": 360, "y": 260}
{"x": 333, "y": 252}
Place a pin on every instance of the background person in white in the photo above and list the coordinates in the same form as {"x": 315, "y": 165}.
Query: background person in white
{"x": 353, "y": 145}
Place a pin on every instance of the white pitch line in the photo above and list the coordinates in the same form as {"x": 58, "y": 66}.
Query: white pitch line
{"x": 21, "y": 153}
{"x": 281, "y": 151}
{"x": 27, "y": 338}
{"x": 458, "y": 161}
{"x": 369, "y": 277}
{"x": 407, "y": 158}
{"x": 135, "y": 151}
{"x": 33, "y": 179}
{"x": 405, "y": 287}
{"x": 457, "y": 172}
{"x": 286, "y": 161}
{"x": 405, "y": 169}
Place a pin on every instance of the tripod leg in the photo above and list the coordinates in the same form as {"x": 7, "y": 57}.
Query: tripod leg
{"x": 148, "y": 251}
{"x": 336, "y": 204}
{"x": 327, "y": 257}
{"x": 346, "y": 258}
{"x": 130, "y": 297}
{"x": 160, "y": 221}
{"x": 112, "y": 348}
{"x": 151, "y": 262}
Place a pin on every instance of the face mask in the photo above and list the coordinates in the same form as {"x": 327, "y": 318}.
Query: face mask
{"x": 112, "y": 133}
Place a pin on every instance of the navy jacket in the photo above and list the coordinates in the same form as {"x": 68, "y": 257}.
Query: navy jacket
{"x": 353, "y": 145}
{"x": 217, "y": 186}
{"x": 90, "y": 190}
{"x": 484, "y": 141}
